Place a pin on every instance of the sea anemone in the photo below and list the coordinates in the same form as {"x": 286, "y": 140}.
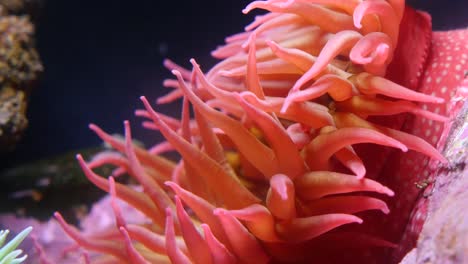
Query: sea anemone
{"x": 269, "y": 170}
{"x": 9, "y": 254}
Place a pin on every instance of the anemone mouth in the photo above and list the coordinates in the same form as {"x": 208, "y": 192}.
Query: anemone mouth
{"x": 296, "y": 146}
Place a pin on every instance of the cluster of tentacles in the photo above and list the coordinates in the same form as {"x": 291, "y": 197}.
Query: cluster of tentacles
{"x": 267, "y": 171}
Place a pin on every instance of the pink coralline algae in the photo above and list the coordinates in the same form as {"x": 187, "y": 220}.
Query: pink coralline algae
{"x": 295, "y": 150}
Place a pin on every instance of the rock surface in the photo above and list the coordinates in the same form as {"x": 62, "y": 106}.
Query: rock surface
{"x": 444, "y": 238}
{"x": 19, "y": 67}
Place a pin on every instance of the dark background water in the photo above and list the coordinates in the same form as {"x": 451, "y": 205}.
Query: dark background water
{"x": 100, "y": 56}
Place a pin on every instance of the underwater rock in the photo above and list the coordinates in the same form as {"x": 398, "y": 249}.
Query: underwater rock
{"x": 21, "y": 6}
{"x": 19, "y": 67}
{"x": 13, "y": 119}
{"x": 444, "y": 237}
{"x": 37, "y": 188}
